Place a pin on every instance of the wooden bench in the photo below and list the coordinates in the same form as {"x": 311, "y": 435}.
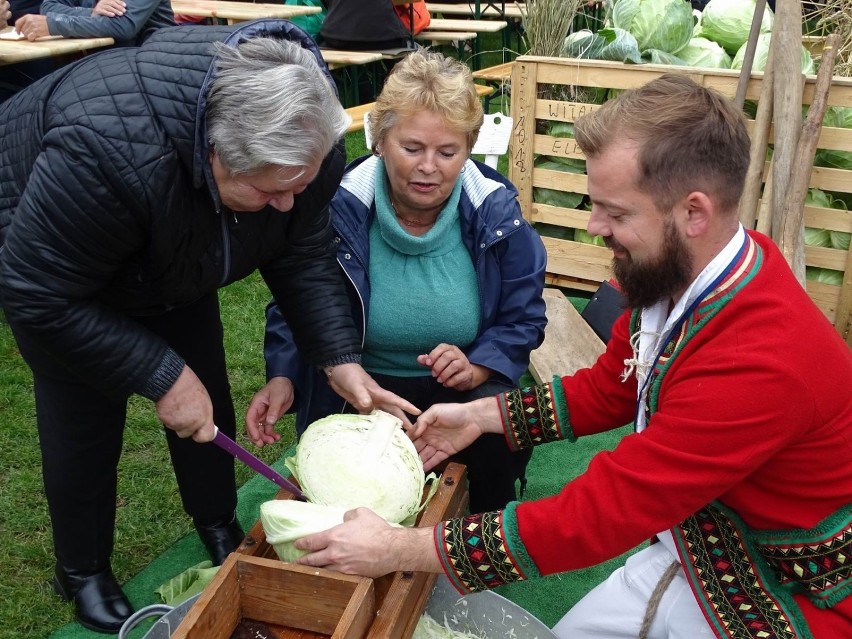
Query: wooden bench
{"x": 357, "y": 113}
{"x": 349, "y": 62}
{"x": 497, "y": 77}
{"x": 569, "y": 342}
{"x": 511, "y": 10}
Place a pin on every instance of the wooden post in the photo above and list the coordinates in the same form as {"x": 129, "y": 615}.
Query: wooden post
{"x": 748, "y": 57}
{"x": 787, "y": 31}
{"x": 757, "y": 155}
{"x": 792, "y": 215}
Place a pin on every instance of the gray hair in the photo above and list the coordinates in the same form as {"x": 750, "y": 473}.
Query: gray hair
{"x": 271, "y": 104}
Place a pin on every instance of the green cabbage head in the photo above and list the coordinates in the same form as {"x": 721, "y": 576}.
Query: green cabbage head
{"x": 728, "y": 22}
{"x": 361, "y": 460}
{"x": 665, "y": 25}
{"x": 761, "y": 55}
{"x": 701, "y": 52}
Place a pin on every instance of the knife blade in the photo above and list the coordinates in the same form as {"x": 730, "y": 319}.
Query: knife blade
{"x": 226, "y": 443}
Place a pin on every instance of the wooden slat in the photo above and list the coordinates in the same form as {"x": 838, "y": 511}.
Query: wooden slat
{"x": 15, "y": 51}
{"x": 511, "y": 10}
{"x": 497, "y": 73}
{"x": 569, "y": 342}
{"x": 444, "y": 36}
{"x": 336, "y": 58}
{"x": 239, "y": 11}
{"x": 521, "y": 156}
{"x": 479, "y": 26}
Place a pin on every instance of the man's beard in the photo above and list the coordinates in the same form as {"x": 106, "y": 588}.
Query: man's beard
{"x": 646, "y": 283}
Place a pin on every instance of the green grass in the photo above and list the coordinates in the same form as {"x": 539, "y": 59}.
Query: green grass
{"x": 149, "y": 517}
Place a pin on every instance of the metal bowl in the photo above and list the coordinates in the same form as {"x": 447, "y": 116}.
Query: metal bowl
{"x": 484, "y": 614}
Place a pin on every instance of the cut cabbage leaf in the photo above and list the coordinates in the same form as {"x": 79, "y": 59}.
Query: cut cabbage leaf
{"x": 286, "y": 520}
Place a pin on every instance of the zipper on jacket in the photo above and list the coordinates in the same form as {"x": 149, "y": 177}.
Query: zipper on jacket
{"x": 226, "y": 246}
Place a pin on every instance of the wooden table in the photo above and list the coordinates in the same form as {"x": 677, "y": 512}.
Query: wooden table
{"x": 335, "y": 58}
{"x": 239, "y": 11}
{"x": 14, "y": 51}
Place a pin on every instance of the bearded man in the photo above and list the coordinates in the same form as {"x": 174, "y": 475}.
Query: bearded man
{"x": 740, "y": 466}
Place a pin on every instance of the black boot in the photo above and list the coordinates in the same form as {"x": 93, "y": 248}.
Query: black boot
{"x": 100, "y": 603}
{"x": 221, "y": 538}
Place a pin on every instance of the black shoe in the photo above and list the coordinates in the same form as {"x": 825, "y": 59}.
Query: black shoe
{"x": 221, "y": 539}
{"x": 100, "y": 603}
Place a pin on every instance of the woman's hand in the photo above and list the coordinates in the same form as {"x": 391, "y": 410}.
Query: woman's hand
{"x": 5, "y": 14}
{"x": 452, "y": 368}
{"x": 355, "y": 385}
{"x": 266, "y": 408}
{"x": 32, "y": 26}
{"x": 365, "y": 544}
{"x": 445, "y": 429}
{"x": 187, "y": 409}
{"x": 109, "y": 8}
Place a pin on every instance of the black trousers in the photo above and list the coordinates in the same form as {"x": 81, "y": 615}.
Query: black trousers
{"x": 492, "y": 468}
{"x": 81, "y": 433}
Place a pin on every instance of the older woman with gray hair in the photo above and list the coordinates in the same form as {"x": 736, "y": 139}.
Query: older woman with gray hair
{"x": 133, "y": 185}
{"x": 445, "y": 276}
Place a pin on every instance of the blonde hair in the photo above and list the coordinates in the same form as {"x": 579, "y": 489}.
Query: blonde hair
{"x": 690, "y": 139}
{"x": 426, "y": 80}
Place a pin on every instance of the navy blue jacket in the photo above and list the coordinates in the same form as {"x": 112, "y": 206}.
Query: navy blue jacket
{"x": 506, "y": 251}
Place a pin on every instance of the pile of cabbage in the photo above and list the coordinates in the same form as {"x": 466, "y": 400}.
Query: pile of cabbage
{"x": 825, "y": 238}
{"x": 344, "y": 462}
{"x": 670, "y": 32}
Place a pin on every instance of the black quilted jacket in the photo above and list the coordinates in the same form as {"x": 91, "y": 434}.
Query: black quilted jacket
{"x": 108, "y": 210}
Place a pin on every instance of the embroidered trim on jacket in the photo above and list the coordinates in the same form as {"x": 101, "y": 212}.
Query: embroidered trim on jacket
{"x": 816, "y": 561}
{"x": 476, "y": 552}
{"x": 731, "y": 583}
{"x": 530, "y": 416}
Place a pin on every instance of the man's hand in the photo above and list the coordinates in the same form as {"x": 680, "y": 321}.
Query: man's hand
{"x": 32, "y": 26}
{"x": 5, "y": 14}
{"x": 451, "y": 367}
{"x": 365, "y": 544}
{"x": 266, "y": 407}
{"x": 186, "y": 408}
{"x": 355, "y": 385}
{"x": 445, "y": 429}
{"x": 109, "y": 8}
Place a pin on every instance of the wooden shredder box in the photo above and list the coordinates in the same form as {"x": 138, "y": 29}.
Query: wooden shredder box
{"x": 306, "y": 603}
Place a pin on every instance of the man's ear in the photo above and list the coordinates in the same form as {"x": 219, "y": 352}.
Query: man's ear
{"x": 699, "y": 213}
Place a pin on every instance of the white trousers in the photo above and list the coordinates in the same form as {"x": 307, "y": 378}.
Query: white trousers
{"x": 616, "y": 607}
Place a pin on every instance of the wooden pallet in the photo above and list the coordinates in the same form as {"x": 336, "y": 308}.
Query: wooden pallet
{"x": 585, "y": 266}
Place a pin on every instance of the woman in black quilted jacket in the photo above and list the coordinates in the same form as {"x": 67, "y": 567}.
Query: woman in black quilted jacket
{"x": 133, "y": 185}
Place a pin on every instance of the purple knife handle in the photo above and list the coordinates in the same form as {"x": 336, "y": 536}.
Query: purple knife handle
{"x": 228, "y": 444}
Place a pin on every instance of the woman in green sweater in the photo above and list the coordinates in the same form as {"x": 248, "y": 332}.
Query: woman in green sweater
{"x": 445, "y": 274}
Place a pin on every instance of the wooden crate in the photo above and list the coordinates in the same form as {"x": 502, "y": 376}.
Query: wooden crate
{"x": 400, "y": 597}
{"x": 584, "y": 266}
{"x": 291, "y": 602}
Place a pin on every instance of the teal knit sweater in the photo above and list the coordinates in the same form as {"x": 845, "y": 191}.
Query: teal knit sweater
{"x": 423, "y": 290}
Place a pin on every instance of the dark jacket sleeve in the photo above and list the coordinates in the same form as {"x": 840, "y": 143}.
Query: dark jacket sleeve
{"x": 68, "y": 7}
{"x": 75, "y": 226}
{"x": 515, "y": 272}
{"x": 306, "y": 280}
{"x": 126, "y": 28}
